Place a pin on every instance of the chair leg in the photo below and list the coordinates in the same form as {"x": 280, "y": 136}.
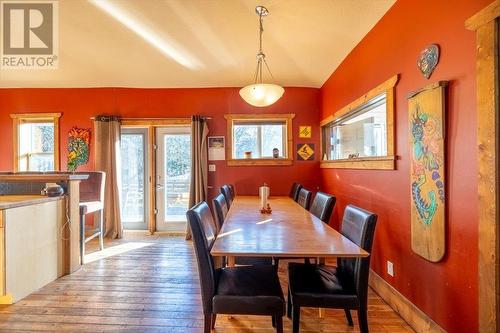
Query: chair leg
{"x": 82, "y": 238}
{"x": 348, "y": 316}
{"x": 363, "y": 320}
{"x": 273, "y": 321}
{"x": 214, "y": 318}
{"x": 101, "y": 230}
{"x": 208, "y": 323}
{"x": 289, "y": 305}
{"x": 296, "y": 319}
{"x": 279, "y": 324}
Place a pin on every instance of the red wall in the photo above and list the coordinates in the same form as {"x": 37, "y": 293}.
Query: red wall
{"x": 78, "y": 105}
{"x": 446, "y": 291}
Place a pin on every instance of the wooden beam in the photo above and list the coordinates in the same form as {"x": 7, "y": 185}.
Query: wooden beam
{"x": 486, "y": 15}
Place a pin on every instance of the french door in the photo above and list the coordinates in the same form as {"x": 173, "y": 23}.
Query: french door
{"x": 155, "y": 177}
{"x": 135, "y": 179}
{"x": 173, "y": 177}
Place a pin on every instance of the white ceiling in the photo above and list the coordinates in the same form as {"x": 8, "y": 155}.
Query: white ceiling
{"x": 200, "y": 43}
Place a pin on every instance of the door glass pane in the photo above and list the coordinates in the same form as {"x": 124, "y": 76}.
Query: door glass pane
{"x": 178, "y": 175}
{"x": 132, "y": 196}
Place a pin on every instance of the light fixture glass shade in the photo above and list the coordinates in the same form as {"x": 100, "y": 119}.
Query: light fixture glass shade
{"x": 261, "y": 94}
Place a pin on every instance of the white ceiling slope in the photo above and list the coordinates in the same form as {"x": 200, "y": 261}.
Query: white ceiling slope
{"x": 200, "y": 43}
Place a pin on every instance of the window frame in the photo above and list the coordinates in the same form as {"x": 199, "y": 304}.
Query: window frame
{"x": 20, "y": 118}
{"x": 386, "y": 162}
{"x": 287, "y": 158}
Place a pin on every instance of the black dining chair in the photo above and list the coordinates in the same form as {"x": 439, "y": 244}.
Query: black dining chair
{"x": 342, "y": 287}
{"x": 248, "y": 290}
{"x": 232, "y": 190}
{"x": 294, "y": 191}
{"x": 304, "y": 198}
{"x": 220, "y": 209}
{"x": 226, "y": 191}
{"x": 219, "y": 205}
{"x": 322, "y": 206}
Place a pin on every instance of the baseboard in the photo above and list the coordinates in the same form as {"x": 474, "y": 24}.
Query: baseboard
{"x": 415, "y": 317}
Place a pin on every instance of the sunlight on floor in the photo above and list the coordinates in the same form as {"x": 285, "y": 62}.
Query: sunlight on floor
{"x": 115, "y": 250}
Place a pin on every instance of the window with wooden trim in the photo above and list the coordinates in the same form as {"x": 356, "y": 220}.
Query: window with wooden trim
{"x": 259, "y": 139}
{"x": 36, "y": 141}
{"x": 361, "y": 135}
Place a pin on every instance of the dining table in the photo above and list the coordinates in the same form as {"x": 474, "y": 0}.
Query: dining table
{"x": 288, "y": 231}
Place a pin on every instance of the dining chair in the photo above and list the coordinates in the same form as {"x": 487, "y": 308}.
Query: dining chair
{"x": 248, "y": 290}
{"x": 226, "y": 191}
{"x": 304, "y": 198}
{"x": 92, "y": 201}
{"x": 219, "y": 205}
{"x": 220, "y": 209}
{"x": 322, "y": 206}
{"x": 231, "y": 189}
{"x": 294, "y": 191}
{"x": 342, "y": 287}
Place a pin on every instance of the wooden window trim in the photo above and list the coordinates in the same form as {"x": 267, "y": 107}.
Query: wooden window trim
{"x": 287, "y": 117}
{"x": 486, "y": 25}
{"x": 379, "y": 162}
{"x": 19, "y": 118}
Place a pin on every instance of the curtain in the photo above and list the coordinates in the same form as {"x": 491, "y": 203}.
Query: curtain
{"x": 107, "y": 159}
{"x": 199, "y": 163}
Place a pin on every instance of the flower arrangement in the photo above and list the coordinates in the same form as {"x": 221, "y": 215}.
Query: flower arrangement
{"x": 78, "y": 147}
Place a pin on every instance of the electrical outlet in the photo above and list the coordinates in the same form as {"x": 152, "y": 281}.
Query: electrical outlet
{"x": 211, "y": 167}
{"x": 390, "y": 268}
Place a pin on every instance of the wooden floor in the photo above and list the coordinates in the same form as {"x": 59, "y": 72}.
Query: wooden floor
{"x": 150, "y": 284}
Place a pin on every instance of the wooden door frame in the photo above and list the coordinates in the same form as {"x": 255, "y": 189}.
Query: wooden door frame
{"x": 151, "y": 125}
{"x": 485, "y": 23}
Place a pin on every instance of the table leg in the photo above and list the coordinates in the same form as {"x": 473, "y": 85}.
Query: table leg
{"x": 321, "y": 312}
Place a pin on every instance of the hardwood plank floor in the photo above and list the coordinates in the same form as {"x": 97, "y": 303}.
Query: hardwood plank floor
{"x": 150, "y": 284}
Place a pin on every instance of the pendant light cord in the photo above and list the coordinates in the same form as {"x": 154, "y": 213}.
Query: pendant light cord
{"x": 261, "y": 57}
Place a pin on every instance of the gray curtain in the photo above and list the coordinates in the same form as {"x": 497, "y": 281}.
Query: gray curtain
{"x": 107, "y": 159}
{"x": 199, "y": 163}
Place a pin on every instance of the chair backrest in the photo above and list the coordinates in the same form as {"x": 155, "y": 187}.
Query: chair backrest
{"x": 92, "y": 189}
{"x": 220, "y": 208}
{"x": 322, "y": 206}
{"x": 359, "y": 226}
{"x": 231, "y": 189}
{"x": 304, "y": 198}
{"x": 294, "y": 191}
{"x": 204, "y": 232}
{"x": 226, "y": 191}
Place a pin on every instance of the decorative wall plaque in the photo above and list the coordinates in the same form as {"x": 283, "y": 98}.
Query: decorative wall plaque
{"x": 428, "y": 60}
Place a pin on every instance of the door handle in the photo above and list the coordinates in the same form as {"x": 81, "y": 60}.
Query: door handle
{"x": 159, "y": 186}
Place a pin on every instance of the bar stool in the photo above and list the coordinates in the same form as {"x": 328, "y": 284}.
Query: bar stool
{"x": 92, "y": 201}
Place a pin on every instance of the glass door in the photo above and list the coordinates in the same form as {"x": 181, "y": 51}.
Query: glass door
{"x": 173, "y": 176}
{"x": 135, "y": 179}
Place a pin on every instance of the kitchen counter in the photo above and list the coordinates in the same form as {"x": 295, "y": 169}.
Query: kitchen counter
{"x": 14, "y": 201}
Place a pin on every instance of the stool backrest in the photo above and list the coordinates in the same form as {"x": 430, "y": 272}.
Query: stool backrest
{"x": 92, "y": 189}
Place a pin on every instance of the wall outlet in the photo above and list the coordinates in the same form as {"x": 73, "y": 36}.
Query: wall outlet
{"x": 390, "y": 268}
{"x": 211, "y": 167}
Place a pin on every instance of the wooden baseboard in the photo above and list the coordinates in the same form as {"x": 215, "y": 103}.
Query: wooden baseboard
{"x": 415, "y": 317}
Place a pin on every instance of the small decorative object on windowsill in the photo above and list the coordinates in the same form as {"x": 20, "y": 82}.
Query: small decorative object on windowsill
{"x": 248, "y": 154}
{"x": 352, "y": 156}
{"x": 276, "y": 153}
{"x": 78, "y": 148}
{"x": 428, "y": 60}
{"x": 266, "y": 210}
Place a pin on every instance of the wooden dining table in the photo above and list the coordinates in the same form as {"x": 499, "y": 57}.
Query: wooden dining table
{"x": 289, "y": 231}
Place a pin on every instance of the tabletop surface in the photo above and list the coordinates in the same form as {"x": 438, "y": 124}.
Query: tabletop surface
{"x": 289, "y": 231}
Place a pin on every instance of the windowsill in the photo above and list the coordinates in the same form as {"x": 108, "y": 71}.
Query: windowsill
{"x": 259, "y": 161}
{"x": 375, "y": 163}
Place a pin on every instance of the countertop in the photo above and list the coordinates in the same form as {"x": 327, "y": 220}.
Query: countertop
{"x": 49, "y": 177}
{"x": 13, "y": 201}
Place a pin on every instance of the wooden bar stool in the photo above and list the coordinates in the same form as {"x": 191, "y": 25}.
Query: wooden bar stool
{"x": 92, "y": 201}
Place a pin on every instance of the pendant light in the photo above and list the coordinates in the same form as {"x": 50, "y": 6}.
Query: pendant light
{"x": 261, "y": 94}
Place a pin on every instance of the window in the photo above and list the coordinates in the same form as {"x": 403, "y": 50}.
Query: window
{"x": 259, "y": 139}
{"x": 360, "y": 135}
{"x": 36, "y": 141}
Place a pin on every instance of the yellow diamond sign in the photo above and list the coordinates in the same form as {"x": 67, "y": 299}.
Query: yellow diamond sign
{"x": 305, "y": 151}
